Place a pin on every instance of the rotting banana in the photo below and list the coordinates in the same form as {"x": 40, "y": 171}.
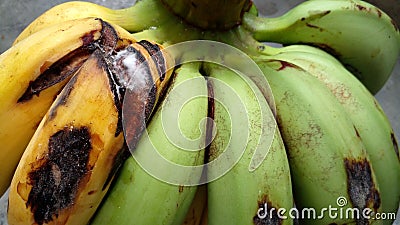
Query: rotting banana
{"x": 245, "y": 123}
{"x": 34, "y": 71}
{"x": 361, "y": 36}
{"x": 327, "y": 158}
{"x": 363, "y": 109}
{"x": 70, "y": 161}
{"x": 145, "y": 191}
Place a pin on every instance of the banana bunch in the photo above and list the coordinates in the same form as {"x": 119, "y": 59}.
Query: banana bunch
{"x": 170, "y": 112}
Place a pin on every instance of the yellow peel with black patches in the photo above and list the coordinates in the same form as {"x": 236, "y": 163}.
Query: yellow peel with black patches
{"x": 19, "y": 68}
{"x": 88, "y": 104}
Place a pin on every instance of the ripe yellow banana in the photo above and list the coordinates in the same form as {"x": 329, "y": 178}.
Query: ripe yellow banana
{"x": 70, "y": 161}
{"x": 136, "y": 18}
{"x": 34, "y": 71}
{"x": 61, "y": 176}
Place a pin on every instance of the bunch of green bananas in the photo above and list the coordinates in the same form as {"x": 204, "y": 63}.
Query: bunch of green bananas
{"x": 176, "y": 112}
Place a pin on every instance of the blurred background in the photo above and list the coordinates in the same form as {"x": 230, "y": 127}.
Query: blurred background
{"x": 15, "y": 15}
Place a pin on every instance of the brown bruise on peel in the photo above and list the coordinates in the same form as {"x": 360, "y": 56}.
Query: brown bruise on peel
{"x": 109, "y": 37}
{"x": 314, "y": 17}
{"x": 62, "y": 98}
{"x": 357, "y": 133}
{"x": 271, "y": 216}
{"x": 135, "y": 116}
{"x": 395, "y": 145}
{"x": 139, "y": 102}
{"x": 56, "y": 73}
{"x": 361, "y": 187}
{"x": 284, "y": 65}
{"x": 157, "y": 57}
{"x": 209, "y": 126}
{"x": 315, "y": 27}
{"x": 65, "y": 67}
{"x": 56, "y": 181}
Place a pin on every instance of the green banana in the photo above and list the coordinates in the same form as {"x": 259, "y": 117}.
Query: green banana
{"x": 361, "y": 36}
{"x": 251, "y": 177}
{"x": 327, "y": 158}
{"x": 33, "y": 75}
{"x": 144, "y": 195}
{"x": 244, "y": 123}
{"x": 363, "y": 109}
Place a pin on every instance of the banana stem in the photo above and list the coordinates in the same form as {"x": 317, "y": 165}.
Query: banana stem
{"x": 210, "y": 14}
{"x": 264, "y": 29}
{"x": 142, "y": 15}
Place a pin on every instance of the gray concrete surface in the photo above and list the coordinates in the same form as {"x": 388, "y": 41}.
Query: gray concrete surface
{"x": 16, "y": 14}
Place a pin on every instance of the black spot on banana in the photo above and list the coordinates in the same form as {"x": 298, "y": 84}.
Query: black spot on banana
{"x": 361, "y": 187}
{"x": 55, "y": 183}
{"x": 56, "y": 73}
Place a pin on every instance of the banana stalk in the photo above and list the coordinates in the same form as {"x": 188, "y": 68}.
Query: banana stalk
{"x": 363, "y": 37}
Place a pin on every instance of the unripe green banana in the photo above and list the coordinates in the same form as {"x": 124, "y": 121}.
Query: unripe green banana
{"x": 363, "y": 109}
{"x": 33, "y": 72}
{"x": 140, "y": 194}
{"x": 244, "y": 194}
{"x": 327, "y": 158}
{"x": 361, "y": 36}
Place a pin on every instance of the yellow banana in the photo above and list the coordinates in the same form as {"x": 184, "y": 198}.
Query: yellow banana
{"x": 136, "y": 18}
{"x": 33, "y": 72}
{"x": 72, "y": 157}
{"x": 328, "y": 161}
